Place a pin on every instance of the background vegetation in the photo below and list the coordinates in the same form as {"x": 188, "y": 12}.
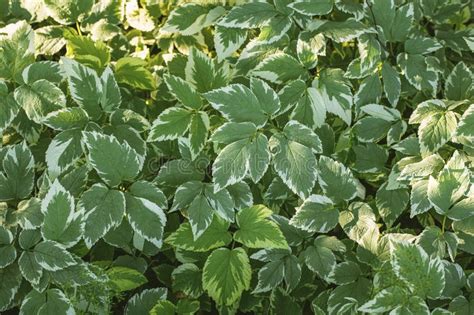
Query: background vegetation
{"x": 271, "y": 157}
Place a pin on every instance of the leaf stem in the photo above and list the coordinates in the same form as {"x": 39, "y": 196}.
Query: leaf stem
{"x": 444, "y": 224}
{"x": 78, "y": 28}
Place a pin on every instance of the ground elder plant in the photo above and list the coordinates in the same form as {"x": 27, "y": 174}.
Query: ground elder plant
{"x": 230, "y": 157}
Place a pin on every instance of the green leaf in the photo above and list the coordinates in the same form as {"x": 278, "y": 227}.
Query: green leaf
{"x": 139, "y": 17}
{"x": 370, "y": 91}
{"x": 30, "y": 269}
{"x": 63, "y": 151}
{"x": 421, "y": 45}
{"x": 10, "y": 281}
{"x": 371, "y": 129}
{"x": 183, "y": 91}
{"x": 436, "y": 130}
{"x": 270, "y": 276}
{"x": 9, "y": 108}
{"x": 52, "y": 256}
{"x": 103, "y": 209}
{"x": 125, "y": 279}
{"x": 309, "y": 47}
{"x": 7, "y": 249}
{"x": 293, "y": 157}
{"x": 85, "y": 86}
{"x": 67, "y": 118}
{"x": 17, "y": 178}
{"x": 171, "y": 124}
{"x": 310, "y": 109}
{"x": 124, "y": 164}
{"x": 279, "y": 68}
{"x": 228, "y": 40}
{"x": 336, "y": 93}
{"x": 61, "y": 223}
{"x": 247, "y": 153}
{"x": 422, "y": 274}
{"x": 419, "y": 202}
{"x": 341, "y": 31}
{"x": 146, "y": 218}
{"x": 198, "y": 132}
{"x": 316, "y": 214}
{"x": 256, "y": 230}
{"x": 346, "y": 272}
{"x": 226, "y": 275}
{"x": 143, "y": 302}
{"x": 16, "y": 49}
{"x": 191, "y": 18}
{"x": 216, "y": 235}
{"x": 111, "y": 97}
{"x": 93, "y": 54}
{"x": 188, "y": 279}
{"x": 200, "y": 215}
{"x": 385, "y": 300}
{"x": 465, "y": 124}
{"x": 203, "y": 73}
{"x": 164, "y": 307}
{"x": 48, "y": 70}
{"x": 52, "y": 301}
{"x": 268, "y": 100}
{"x": 450, "y": 185}
{"x": 39, "y": 99}
{"x": 68, "y": 11}
{"x": 459, "y": 85}
{"x": 320, "y": 259}
{"x": 237, "y": 103}
{"x": 417, "y": 72}
{"x": 336, "y": 180}
{"x": 402, "y": 22}
{"x": 312, "y": 8}
{"x": 391, "y": 203}
{"x": 249, "y": 15}
{"x": 391, "y": 83}
{"x": 132, "y": 71}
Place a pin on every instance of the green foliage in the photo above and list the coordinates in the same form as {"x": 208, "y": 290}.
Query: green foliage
{"x": 231, "y": 156}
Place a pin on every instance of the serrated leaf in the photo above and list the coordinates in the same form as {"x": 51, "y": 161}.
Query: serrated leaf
{"x": 52, "y": 256}
{"x": 61, "y": 223}
{"x": 316, "y": 214}
{"x": 146, "y": 218}
{"x": 249, "y": 15}
{"x": 228, "y": 40}
{"x": 125, "y": 279}
{"x": 52, "y": 301}
{"x": 279, "y": 68}
{"x": 270, "y": 276}
{"x": 422, "y": 274}
{"x": 203, "y": 72}
{"x": 237, "y": 103}
{"x": 312, "y": 8}
{"x": 124, "y": 165}
{"x": 336, "y": 180}
{"x": 391, "y": 203}
{"x": 226, "y": 275}
{"x": 132, "y": 71}
{"x": 183, "y": 91}
{"x": 171, "y": 124}
{"x": 216, "y": 235}
{"x": 256, "y": 230}
{"x": 17, "y": 178}
{"x": 39, "y": 99}
{"x": 85, "y": 86}
{"x": 190, "y": 18}
{"x": 103, "y": 209}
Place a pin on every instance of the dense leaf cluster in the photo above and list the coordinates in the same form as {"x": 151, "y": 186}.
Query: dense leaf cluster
{"x": 232, "y": 156}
